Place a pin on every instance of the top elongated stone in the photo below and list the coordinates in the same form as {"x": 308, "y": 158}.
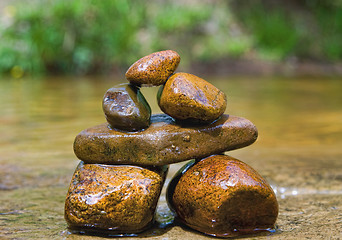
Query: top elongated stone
{"x": 164, "y": 142}
{"x": 153, "y": 69}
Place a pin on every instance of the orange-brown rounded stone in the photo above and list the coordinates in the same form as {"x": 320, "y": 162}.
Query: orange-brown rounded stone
{"x": 222, "y": 196}
{"x": 188, "y": 97}
{"x": 153, "y": 69}
{"x": 120, "y": 198}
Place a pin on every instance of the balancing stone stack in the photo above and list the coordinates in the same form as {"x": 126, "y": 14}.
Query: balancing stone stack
{"x": 124, "y": 163}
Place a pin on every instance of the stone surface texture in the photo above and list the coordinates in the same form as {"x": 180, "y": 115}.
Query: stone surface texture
{"x": 188, "y": 97}
{"x": 164, "y": 142}
{"x": 126, "y": 108}
{"x": 222, "y": 196}
{"x": 118, "y": 198}
{"x": 153, "y": 69}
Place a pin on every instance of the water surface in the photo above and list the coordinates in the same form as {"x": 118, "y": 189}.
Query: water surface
{"x": 298, "y": 151}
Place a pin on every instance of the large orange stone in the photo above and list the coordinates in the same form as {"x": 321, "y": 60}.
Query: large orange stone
{"x": 121, "y": 198}
{"x": 222, "y": 196}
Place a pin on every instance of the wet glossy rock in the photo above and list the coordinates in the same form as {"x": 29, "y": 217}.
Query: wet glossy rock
{"x": 126, "y": 108}
{"x": 153, "y": 69}
{"x": 188, "y": 97}
{"x": 164, "y": 142}
{"x": 118, "y": 198}
{"x": 222, "y": 196}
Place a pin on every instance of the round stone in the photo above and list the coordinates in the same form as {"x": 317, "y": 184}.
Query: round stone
{"x": 119, "y": 198}
{"x": 191, "y": 98}
{"x": 153, "y": 69}
{"x": 222, "y": 196}
{"x": 126, "y": 108}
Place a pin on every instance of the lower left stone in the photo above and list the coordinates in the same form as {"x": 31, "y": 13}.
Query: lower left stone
{"x": 120, "y": 198}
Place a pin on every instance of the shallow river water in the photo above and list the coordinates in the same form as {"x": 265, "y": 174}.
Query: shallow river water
{"x": 299, "y": 151}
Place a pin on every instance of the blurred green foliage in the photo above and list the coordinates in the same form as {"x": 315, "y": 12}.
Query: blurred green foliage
{"x": 70, "y": 36}
{"x": 89, "y": 36}
{"x": 329, "y": 18}
{"x": 304, "y": 29}
{"x": 273, "y": 31}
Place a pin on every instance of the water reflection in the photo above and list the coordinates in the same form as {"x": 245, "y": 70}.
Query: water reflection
{"x": 298, "y": 150}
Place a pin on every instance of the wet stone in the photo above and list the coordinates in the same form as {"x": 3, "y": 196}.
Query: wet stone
{"x": 222, "y": 196}
{"x": 164, "y": 142}
{"x": 126, "y": 108}
{"x": 121, "y": 198}
{"x": 191, "y": 98}
{"x": 153, "y": 69}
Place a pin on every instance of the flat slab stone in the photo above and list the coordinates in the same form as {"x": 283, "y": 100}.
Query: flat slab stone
{"x": 164, "y": 142}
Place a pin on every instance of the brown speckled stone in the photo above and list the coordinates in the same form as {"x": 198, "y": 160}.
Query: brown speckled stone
{"x": 118, "y": 198}
{"x": 164, "y": 142}
{"x": 126, "y": 108}
{"x": 153, "y": 69}
{"x": 222, "y": 196}
{"x": 188, "y": 97}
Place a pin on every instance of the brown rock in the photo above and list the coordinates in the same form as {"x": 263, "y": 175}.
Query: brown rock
{"x": 164, "y": 142}
{"x": 188, "y": 97}
{"x": 153, "y": 69}
{"x": 118, "y": 198}
{"x": 222, "y": 196}
{"x": 126, "y": 108}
